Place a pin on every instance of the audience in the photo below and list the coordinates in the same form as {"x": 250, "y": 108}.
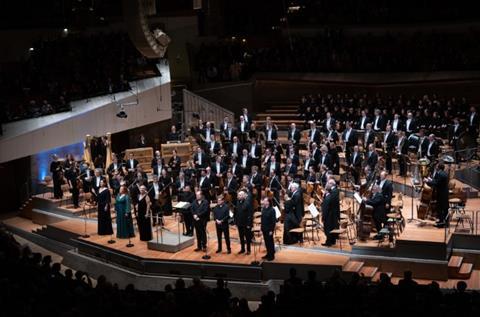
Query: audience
{"x": 69, "y": 68}
{"x": 32, "y": 285}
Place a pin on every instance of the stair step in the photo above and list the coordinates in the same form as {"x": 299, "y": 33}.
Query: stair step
{"x": 376, "y": 278}
{"x": 353, "y": 266}
{"x": 465, "y": 270}
{"x": 369, "y": 271}
{"x": 455, "y": 261}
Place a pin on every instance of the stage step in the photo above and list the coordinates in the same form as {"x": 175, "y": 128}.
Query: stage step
{"x": 454, "y": 264}
{"x": 465, "y": 271}
{"x": 376, "y": 278}
{"x": 353, "y": 267}
{"x": 368, "y": 271}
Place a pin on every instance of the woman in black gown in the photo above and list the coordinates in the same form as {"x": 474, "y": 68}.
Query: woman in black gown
{"x": 143, "y": 218}
{"x": 165, "y": 181}
{"x": 103, "y": 210}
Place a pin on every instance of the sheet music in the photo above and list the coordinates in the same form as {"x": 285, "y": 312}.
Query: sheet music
{"x": 313, "y": 210}
{"x": 357, "y": 197}
{"x": 182, "y": 205}
{"x": 277, "y": 212}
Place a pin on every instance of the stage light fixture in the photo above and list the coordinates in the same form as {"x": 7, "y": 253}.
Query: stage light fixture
{"x": 122, "y": 114}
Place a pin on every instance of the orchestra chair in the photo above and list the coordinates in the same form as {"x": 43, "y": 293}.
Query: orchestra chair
{"x": 300, "y": 230}
{"x": 342, "y": 231}
{"x": 47, "y": 181}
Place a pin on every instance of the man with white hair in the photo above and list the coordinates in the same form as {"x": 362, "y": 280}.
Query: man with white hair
{"x": 294, "y": 211}
{"x": 294, "y": 134}
{"x": 330, "y": 212}
{"x": 378, "y": 203}
{"x": 244, "y": 220}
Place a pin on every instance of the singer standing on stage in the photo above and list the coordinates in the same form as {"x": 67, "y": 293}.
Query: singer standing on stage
{"x": 200, "y": 212}
{"x": 124, "y": 215}
{"x": 244, "y": 220}
{"x": 268, "y": 228}
{"x": 221, "y": 214}
{"x": 143, "y": 218}
{"x": 103, "y": 210}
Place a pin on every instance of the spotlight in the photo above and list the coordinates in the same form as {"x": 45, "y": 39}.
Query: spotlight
{"x": 65, "y": 30}
{"x": 122, "y": 114}
{"x": 31, "y": 49}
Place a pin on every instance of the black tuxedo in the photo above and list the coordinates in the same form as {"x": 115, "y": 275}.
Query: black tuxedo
{"x": 294, "y": 136}
{"x": 244, "y": 221}
{"x": 201, "y": 210}
{"x": 440, "y": 183}
{"x": 368, "y": 138}
{"x": 365, "y": 121}
{"x": 204, "y": 163}
{"x": 379, "y": 214}
{"x": 131, "y": 164}
{"x": 325, "y": 160}
{"x": 173, "y": 136}
{"x": 412, "y": 128}
{"x": 238, "y": 150}
{"x": 316, "y": 136}
{"x": 216, "y": 147}
{"x": 434, "y": 150}
{"x": 269, "y": 220}
{"x": 294, "y": 211}
{"x": 187, "y": 213}
{"x": 205, "y": 186}
{"x": 389, "y": 141}
{"x": 400, "y": 125}
{"x": 268, "y": 167}
{"x": 332, "y": 124}
{"x": 248, "y": 164}
{"x": 222, "y": 213}
{"x": 175, "y": 164}
{"x": 292, "y": 170}
{"x": 381, "y": 123}
{"x": 387, "y": 191}
{"x": 232, "y": 187}
{"x": 331, "y": 214}
{"x": 372, "y": 159}
{"x": 237, "y": 170}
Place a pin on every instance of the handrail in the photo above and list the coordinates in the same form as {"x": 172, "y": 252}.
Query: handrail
{"x": 207, "y": 110}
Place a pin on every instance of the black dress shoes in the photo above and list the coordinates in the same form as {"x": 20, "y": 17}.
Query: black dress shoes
{"x": 327, "y": 244}
{"x": 229, "y": 251}
{"x": 197, "y": 250}
{"x": 241, "y": 251}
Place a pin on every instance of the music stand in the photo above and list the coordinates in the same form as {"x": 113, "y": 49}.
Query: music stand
{"x": 412, "y": 219}
{"x": 182, "y": 205}
{"x": 85, "y": 234}
{"x": 255, "y": 261}
{"x": 130, "y": 244}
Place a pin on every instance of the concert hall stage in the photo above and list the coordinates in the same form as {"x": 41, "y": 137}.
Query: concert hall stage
{"x": 430, "y": 253}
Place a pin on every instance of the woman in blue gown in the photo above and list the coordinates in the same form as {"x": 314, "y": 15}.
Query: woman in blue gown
{"x": 124, "y": 215}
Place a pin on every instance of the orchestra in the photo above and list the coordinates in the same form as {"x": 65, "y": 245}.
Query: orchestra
{"x": 238, "y": 169}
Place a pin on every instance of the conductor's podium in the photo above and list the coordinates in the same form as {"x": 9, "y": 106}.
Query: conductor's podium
{"x": 184, "y": 151}
{"x": 144, "y": 157}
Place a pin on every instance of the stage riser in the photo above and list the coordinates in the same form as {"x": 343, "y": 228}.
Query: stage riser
{"x": 273, "y": 270}
{"x": 44, "y": 218}
{"x": 248, "y": 290}
{"x": 44, "y": 242}
{"x": 59, "y": 235}
{"x": 466, "y": 241}
{"x": 172, "y": 268}
{"x": 421, "y": 250}
{"x": 435, "y": 270}
{"x": 54, "y": 207}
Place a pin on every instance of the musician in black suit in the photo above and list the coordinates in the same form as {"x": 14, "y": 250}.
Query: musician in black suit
{"x": 388, "y": 146}
{"x": 294, "y": 134}
{"x": 330, "y": 212}
{"x": 329, "y": 122}
{"x": 325, "y": 158}
{"x": 290, "y": 168}
{"x": 175, "y": 163}
{"x": 432, "y": 148}
{"x": 362, "y": 122}
{"x": 246, "y": 116}
{"x": 229, "y": 134}
{"x": 255, "y": 151}
{"x": 131, "y": 163}
{"x": 473, "y": 123}
{"x": 309, "y": 161}
{"x": 369, "y": 136}
{"x": 155, "y": 159}
{"x": 204, "y": 184}
{"x": 335, "y": 158}
{"x": 72, "y": 174}
{"x": 422, "y": 143}
{"x": 439, "y": 181}
{"x": 401, "y": 152}
{"x": 186, "y": 195}
{"x": 411, "y": 124}
{"x": 314, "y": 133}
{"x": 294, "y": 157}
{"x": 386, "y": 188}
{"x": 316, "y": 152}
{"x": 349, "y": 139}
{"x": 200, "y": 212}
{"x": 454, "y": 133}
{"x": 173, "y": 135}
{"x": 208, "y": 133}
{"x": 235, "y": 148}
{"x": 294, "y": 211}
{"x": 57, "y": 173}
{"x": 379, "y": 122}
{"x": 96, "y": 181}
{"x": 221, "y": 215}
{"x": 213, "y": 148}
{"x": 231, "y": 186}
{"x": 378, "y": 203}
{"x": 256, "y": 179}
{"x": 236, "y": 169}
{"x": 245, "y": 162}
{"x": 371, "y": 156}
{"x": 273, "y": 165}
{"x": 268, "y": 221}
{"x": 244, "y": 220}
{"x": 115, "y": 165}
{"x": 274, "y": 186}
{"x": 200, "y": 159}
{"x": 397, "y": 123}
{"x": 355, "y": 164}
{"x": 270, "y": 135}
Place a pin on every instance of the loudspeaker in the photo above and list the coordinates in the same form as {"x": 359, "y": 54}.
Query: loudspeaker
{"x": 150, "y": 44}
